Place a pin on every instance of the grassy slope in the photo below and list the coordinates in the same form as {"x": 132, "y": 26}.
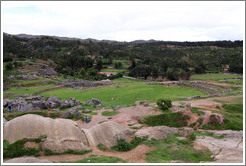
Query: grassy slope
{"x": 124, "y": 95}
{"x": 215, "y": 76}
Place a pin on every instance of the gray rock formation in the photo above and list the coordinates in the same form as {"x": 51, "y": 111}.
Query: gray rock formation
{"x": 28, "y": 107}
{"x": 39, "y": 104}
{"x": 27, "y": 160}
{"x": 226, "y": 150}
{"x": 94, "y": 101}
{"x": 72, "y": 112}
{"x": 62, "y": 134}
{"x": 107, "y": 133}
{"x": 55, "y": 99}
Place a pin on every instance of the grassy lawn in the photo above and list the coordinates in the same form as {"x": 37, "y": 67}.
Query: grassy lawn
{"x": 113, "y": 70}
{"x": 25, "y": 90}
{"x": 126, "y": 80}
{"x": 124, "y": 95}
{"x": 215, "y": 76}
{"x": 99, "y": 159}
{"x": 109, "y": 113}
{"x": 171, "y": 148}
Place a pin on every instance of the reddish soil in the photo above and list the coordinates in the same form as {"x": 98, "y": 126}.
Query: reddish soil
{"x": 137, "y": 155}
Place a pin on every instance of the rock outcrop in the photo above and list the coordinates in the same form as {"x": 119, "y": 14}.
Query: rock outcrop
{"x": 107, "y": 133}
{"x": 62, "y": 134}
{"x": 226, "y": 150}
{"x": 95, "y": 102}
{"x": 157, "y": 132}
{"x": 27, "y": 160}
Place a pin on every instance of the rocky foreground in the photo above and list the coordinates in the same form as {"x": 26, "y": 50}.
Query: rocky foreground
{"x": 64, "y": 134}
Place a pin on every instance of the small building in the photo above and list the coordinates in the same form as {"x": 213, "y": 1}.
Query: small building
{"x": 110, "y": 67}
{"x": 226, "y": 68}
{"x": 107, "y": 73}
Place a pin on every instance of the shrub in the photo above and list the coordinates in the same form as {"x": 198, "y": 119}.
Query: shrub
{"x": 122, "y": 145}
{"x": 102, "y": 147}
{"x": 16, "y": 149}
{"x": 167, "y": 119}
{"x": 164, "y": 104}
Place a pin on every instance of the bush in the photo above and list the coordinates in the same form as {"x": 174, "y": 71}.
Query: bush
{"x": 16, "y": 149}
{"x": 122, "y": 145}
{"x": 102, "y": 147}
{"x": 164, "y": 104}
{"x": 9, "y": 66}
{"x": 167, "y": 119}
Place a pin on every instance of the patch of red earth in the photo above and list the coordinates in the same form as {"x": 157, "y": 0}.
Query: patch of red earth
{"x": 136, "y": 155}
{"x": 127, "y": 115}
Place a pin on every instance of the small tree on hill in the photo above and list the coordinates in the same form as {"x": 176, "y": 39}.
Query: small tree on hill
{"x": 164, "y": 104}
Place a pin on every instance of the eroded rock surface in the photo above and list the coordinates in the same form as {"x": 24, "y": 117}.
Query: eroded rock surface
{"x": 157, "y": 132}
{"x": 107, "y": 133}
{"x": 27, "y": 160}
{"x": 226, "y": 150}
{"x": 62, "y": 134}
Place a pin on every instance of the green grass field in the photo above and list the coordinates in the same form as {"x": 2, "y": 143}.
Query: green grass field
{"x": 126, "y": 80}
{"x": 215, "y": 77}
{"x": 124, "y": 95}
{"x": 113, "y": 70}
{"x": 24, "y": 90}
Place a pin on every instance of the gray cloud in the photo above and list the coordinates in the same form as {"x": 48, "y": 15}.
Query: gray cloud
{"x": 126, "y": 21}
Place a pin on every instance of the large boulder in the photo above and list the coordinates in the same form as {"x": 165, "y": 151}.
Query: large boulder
{"x": 16, "y": 104}
{"x": 157, "y": 132}
{"x": 62, "y": 134}
{"x": 107, "y": 133}
{"x": 39, "y": 104}
{"x": 28, "y": 107}
{"x": 51, "y": 104}
{"x": 94, "y": 101}
{"x": 65, "y": 104}
{"x": 27, "y": 160}
{"x": 226, "y": 150}
{"x": 55, "y": 99}
{"x": 72, "y": 112}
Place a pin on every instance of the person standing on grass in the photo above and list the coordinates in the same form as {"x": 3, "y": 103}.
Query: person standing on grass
{"x": 10, "y": 108}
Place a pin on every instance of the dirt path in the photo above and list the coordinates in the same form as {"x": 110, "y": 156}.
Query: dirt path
{"x": 136, "y": 155}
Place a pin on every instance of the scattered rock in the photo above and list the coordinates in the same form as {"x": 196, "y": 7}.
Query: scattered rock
{"x": 117, "y": 107}
{"x": 146, "y": 104}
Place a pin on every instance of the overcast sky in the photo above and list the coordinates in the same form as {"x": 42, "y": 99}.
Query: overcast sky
{"x": 127, "y": 21}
